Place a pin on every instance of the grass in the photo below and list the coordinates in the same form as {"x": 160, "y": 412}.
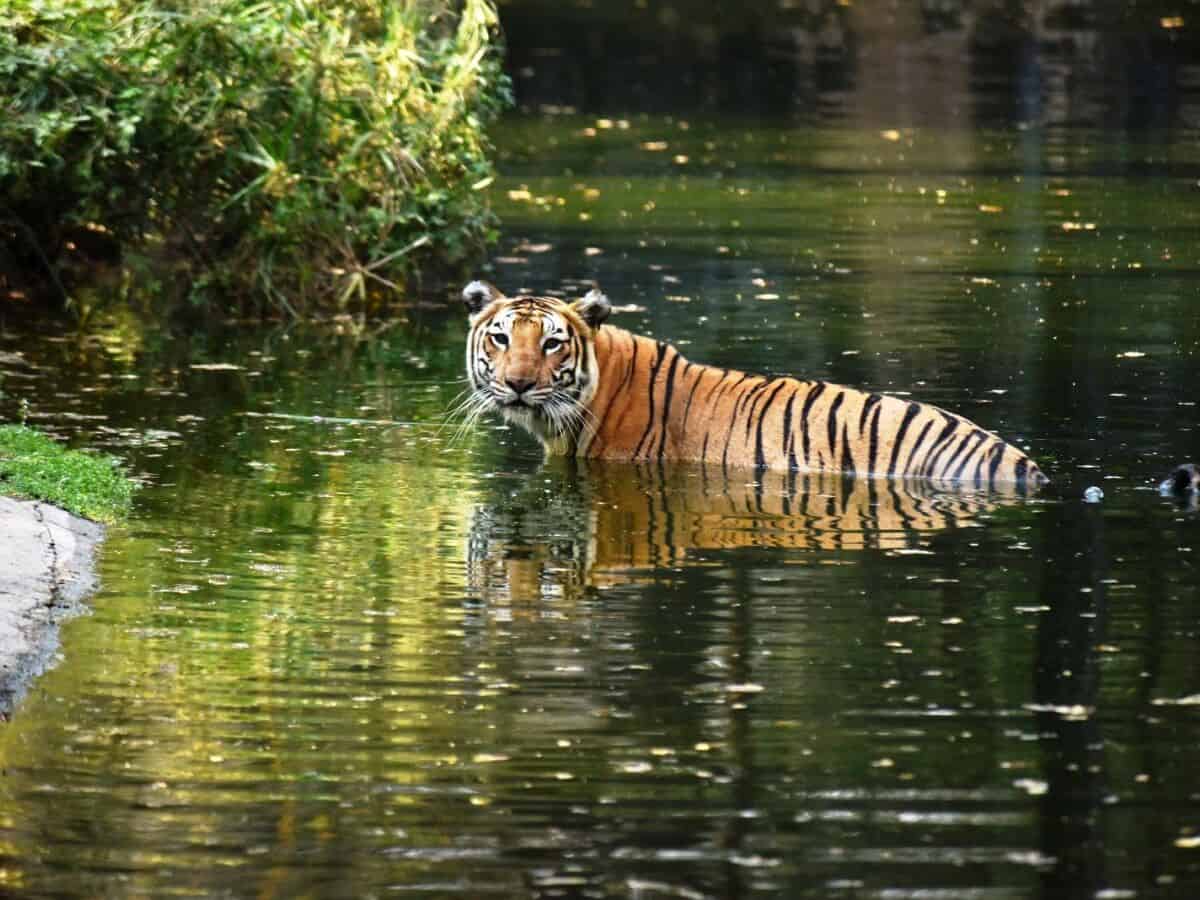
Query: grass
{"x": 34, "y": 466}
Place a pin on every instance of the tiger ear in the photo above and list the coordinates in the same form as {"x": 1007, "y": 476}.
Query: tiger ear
{"x": 594, "y": 308}
{"x": 477, "y": 295}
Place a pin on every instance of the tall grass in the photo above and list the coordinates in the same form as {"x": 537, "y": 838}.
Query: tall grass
{"x": 285, "y": 154}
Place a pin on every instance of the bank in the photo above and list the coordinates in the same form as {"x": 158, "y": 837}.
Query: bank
{"x": 47, "y": 570}
{"x": 53, "y": 506}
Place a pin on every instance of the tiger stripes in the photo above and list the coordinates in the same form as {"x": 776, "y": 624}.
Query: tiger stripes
{"x": 638, "y": 399}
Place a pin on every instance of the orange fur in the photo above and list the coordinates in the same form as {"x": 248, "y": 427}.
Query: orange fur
{"x": 599, "y": 391}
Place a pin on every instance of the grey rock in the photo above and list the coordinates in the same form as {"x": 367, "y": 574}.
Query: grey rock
{"x": 46, "y": 571}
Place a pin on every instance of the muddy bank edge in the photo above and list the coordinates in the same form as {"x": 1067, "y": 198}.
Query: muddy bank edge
{"x": 47, "y": 569}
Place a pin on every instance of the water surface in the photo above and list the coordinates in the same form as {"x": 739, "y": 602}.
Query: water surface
{"x": 341, "y": 651}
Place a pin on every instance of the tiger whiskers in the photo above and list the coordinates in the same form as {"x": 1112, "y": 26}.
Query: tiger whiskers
{"x": 570, "y": 417}
{"x": 588, "y": 424}
{"x": 459, "y": 403}
{"x": 551, "y": 412}
{"x": 471, "y": 408}
{"x": 481, "y": 405}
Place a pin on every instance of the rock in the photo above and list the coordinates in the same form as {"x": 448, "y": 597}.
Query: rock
{"x": 46, "y": 570}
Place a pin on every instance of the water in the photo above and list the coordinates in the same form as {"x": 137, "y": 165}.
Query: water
{"x": 339, "y": 652}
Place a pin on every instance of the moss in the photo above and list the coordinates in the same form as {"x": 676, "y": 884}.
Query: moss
{"x": 34, "y": 466}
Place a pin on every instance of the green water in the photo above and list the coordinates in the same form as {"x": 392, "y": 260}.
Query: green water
{"x": 343, "y": 651}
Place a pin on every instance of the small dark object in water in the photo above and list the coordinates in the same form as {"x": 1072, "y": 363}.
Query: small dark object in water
{"x": 1183, "y": 482}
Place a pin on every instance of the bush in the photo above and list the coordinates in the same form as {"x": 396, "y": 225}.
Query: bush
{"x": 301, "y": 151}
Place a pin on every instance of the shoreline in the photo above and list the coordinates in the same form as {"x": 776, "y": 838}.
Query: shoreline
{"x": 47, "y": 570}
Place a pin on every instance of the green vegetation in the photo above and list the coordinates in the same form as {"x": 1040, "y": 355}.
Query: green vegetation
{"x": 34, "y": 466}
{"x": 276, "y": 155}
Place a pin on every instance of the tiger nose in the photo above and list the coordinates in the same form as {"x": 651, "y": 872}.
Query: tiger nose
{"x": 519, "y": 385}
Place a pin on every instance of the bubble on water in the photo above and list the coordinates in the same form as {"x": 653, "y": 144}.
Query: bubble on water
{"x": 1093, "y": 495}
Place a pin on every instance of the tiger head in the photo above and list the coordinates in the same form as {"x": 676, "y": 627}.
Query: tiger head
{"x": 533, "y": 359}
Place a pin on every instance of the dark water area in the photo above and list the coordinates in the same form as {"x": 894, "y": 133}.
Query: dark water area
{"x": 345, "y": 650}
{"x": 1117, "y": 65}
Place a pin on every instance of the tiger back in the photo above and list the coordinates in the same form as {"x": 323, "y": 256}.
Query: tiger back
{"x": 589, "y": 389}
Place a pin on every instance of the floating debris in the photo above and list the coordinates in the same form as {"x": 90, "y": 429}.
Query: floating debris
{"x": 1032, "y": 786}
{"x": 745, "y": 688}
{"x": 1189, "y": 700}
{"x": 1071, "y": 712}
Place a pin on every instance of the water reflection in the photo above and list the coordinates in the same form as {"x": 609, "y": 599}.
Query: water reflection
{"x": 1067, "y": 699}
{"x": 574, "y": 525}
{"x": 1093, "y": 62}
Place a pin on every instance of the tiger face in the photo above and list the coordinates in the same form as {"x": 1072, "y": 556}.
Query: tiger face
{"x": 532, "y": 359}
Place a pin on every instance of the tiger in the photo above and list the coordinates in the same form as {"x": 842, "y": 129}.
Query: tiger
{"x": 589, "y": 389}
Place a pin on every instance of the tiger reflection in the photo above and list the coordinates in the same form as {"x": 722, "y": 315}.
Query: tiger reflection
{"x": 572, "y": 527}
